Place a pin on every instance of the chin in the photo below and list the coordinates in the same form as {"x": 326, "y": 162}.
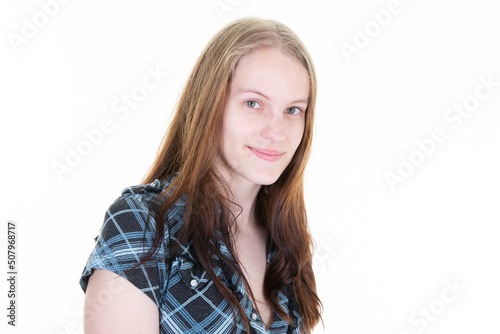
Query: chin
{"x": 264, "y": 179}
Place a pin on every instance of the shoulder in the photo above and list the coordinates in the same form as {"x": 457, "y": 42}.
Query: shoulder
{"x": 146, "y": 196}
{"x": 128, "y": 232}
{"x": 153, "y": 193}
{"x": 136, "y": 208}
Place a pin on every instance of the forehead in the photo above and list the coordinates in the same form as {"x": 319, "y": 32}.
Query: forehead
{"x": 272, "y": 71}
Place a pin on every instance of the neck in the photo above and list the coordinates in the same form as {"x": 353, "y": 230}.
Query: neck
{"x": 244, "y": 194}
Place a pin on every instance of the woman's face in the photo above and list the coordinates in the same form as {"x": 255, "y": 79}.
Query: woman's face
{"x": 264, "y": 115}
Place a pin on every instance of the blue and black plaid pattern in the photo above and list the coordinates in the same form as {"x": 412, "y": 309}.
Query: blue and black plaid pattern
{"x": 187, "y": 299}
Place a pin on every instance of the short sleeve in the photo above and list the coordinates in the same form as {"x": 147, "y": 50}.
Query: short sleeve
{"x": 126, "y": 236}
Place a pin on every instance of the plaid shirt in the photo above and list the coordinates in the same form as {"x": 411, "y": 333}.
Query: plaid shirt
{"x": 187, "y": 299}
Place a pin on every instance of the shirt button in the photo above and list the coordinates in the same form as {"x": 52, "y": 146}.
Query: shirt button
{"x": 194, "y": 283}
{"x": 254, "y": 316}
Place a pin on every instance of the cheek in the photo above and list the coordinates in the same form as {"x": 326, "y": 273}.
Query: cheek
{"x": 233, "y": 133}
{"x": 237, "y": 127}
{"x": 228, "y": 130}
{"x": 296, "y": 134}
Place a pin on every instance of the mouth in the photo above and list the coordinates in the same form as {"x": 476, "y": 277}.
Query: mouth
{"x": 269, "y": 155}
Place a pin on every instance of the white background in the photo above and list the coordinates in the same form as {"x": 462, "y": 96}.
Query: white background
{"x": 384, "y": 254}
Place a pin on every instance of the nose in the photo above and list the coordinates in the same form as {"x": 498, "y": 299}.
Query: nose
{"x": 274, "y": 128}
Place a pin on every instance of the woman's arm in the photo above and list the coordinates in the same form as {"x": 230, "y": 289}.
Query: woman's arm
{"x": 114, "y": 305}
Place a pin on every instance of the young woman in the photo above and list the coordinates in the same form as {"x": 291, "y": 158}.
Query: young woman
{"x": 215, "y": 238}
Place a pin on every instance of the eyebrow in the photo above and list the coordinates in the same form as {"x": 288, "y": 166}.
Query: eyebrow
{"x": 265, "y": 96}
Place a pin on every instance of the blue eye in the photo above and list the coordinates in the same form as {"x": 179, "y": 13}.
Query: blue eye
{"x": 252, "y": 104}
{"x": 293, "y": 111}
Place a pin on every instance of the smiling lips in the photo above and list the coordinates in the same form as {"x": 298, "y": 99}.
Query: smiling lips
{"x": 269, "y": 155}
